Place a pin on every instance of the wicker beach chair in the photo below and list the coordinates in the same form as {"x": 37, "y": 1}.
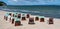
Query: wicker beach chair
{"x": 36, "y": 18}
{"x": 17, "y": 22}
{"x": 27, "y": 15}
{"x": 19, "y": 16}
{"x": 42, "y": 19}
{"x": 12, "y": 20}
{"x": 31, "y": 21}
{"x": 50, "y": 20}
{"x": 15, "y": 14}
{"x": 6, "y": 16}
{"x": 23, "y": 17}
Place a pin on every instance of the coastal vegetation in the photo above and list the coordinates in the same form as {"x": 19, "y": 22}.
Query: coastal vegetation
{"x": 2, "y": 3}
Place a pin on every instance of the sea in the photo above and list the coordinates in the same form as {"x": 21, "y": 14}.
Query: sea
{"x": 41, "y": 10}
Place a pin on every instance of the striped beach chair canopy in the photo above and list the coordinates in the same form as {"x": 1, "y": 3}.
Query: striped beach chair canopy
{"x": 15, "y": 13}
{"x": 7, "y": 14}
{"x": 17, "y": 19}
{"x": 41, "y": 17}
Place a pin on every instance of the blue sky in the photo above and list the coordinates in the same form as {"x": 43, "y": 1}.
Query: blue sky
{"x": 32, "y": 2}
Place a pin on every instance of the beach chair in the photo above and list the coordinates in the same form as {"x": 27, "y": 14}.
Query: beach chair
{"x": 9, "y": 18}
{"x": 23, "y": 18}
{"x": 9, "y": 13}
{"x": 15, "y": 14}
{"x": 36, "y": 18}
{"x": 19, "y": 16}
{"x": 12, "y": 20}
{"x": 50, "y": 20}
{"x": 17, "y": 22}
{"x": 28, "y": 15}
{"x": 31, "y": 21}
{"x": 42, "y": 19}
{"x": 6, "y": 16}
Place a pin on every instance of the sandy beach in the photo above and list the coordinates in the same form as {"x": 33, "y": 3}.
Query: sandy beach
{"x": 37, "y": 25}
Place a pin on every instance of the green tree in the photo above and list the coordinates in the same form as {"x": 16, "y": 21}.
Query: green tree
{"x": 2, "y": 3}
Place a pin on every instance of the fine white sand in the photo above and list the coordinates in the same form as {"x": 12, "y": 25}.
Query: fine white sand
{"x": 37, "y": 25}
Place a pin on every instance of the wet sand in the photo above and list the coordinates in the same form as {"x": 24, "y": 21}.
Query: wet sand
{"x": 38, "y": 25}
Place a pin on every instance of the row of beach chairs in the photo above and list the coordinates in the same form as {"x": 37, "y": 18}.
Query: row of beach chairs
{"x": 16, "y": 18}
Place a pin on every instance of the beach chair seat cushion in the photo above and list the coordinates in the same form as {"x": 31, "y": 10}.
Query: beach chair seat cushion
{"x": 17, "y": 23}
{"x": 23, "y": 18}
{"x": 31, "y": 21}
{"x": 36, "y": 18}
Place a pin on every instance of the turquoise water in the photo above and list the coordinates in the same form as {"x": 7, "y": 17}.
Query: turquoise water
{"x": 48, "y": 11}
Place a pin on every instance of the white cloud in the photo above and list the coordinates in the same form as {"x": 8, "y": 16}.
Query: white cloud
{"x": 15, "y": 0}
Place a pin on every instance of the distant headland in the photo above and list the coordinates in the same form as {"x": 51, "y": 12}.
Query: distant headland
{"x": 2, "y": 3}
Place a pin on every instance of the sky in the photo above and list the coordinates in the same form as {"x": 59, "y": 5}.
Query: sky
{"x": 32, "y": 2}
